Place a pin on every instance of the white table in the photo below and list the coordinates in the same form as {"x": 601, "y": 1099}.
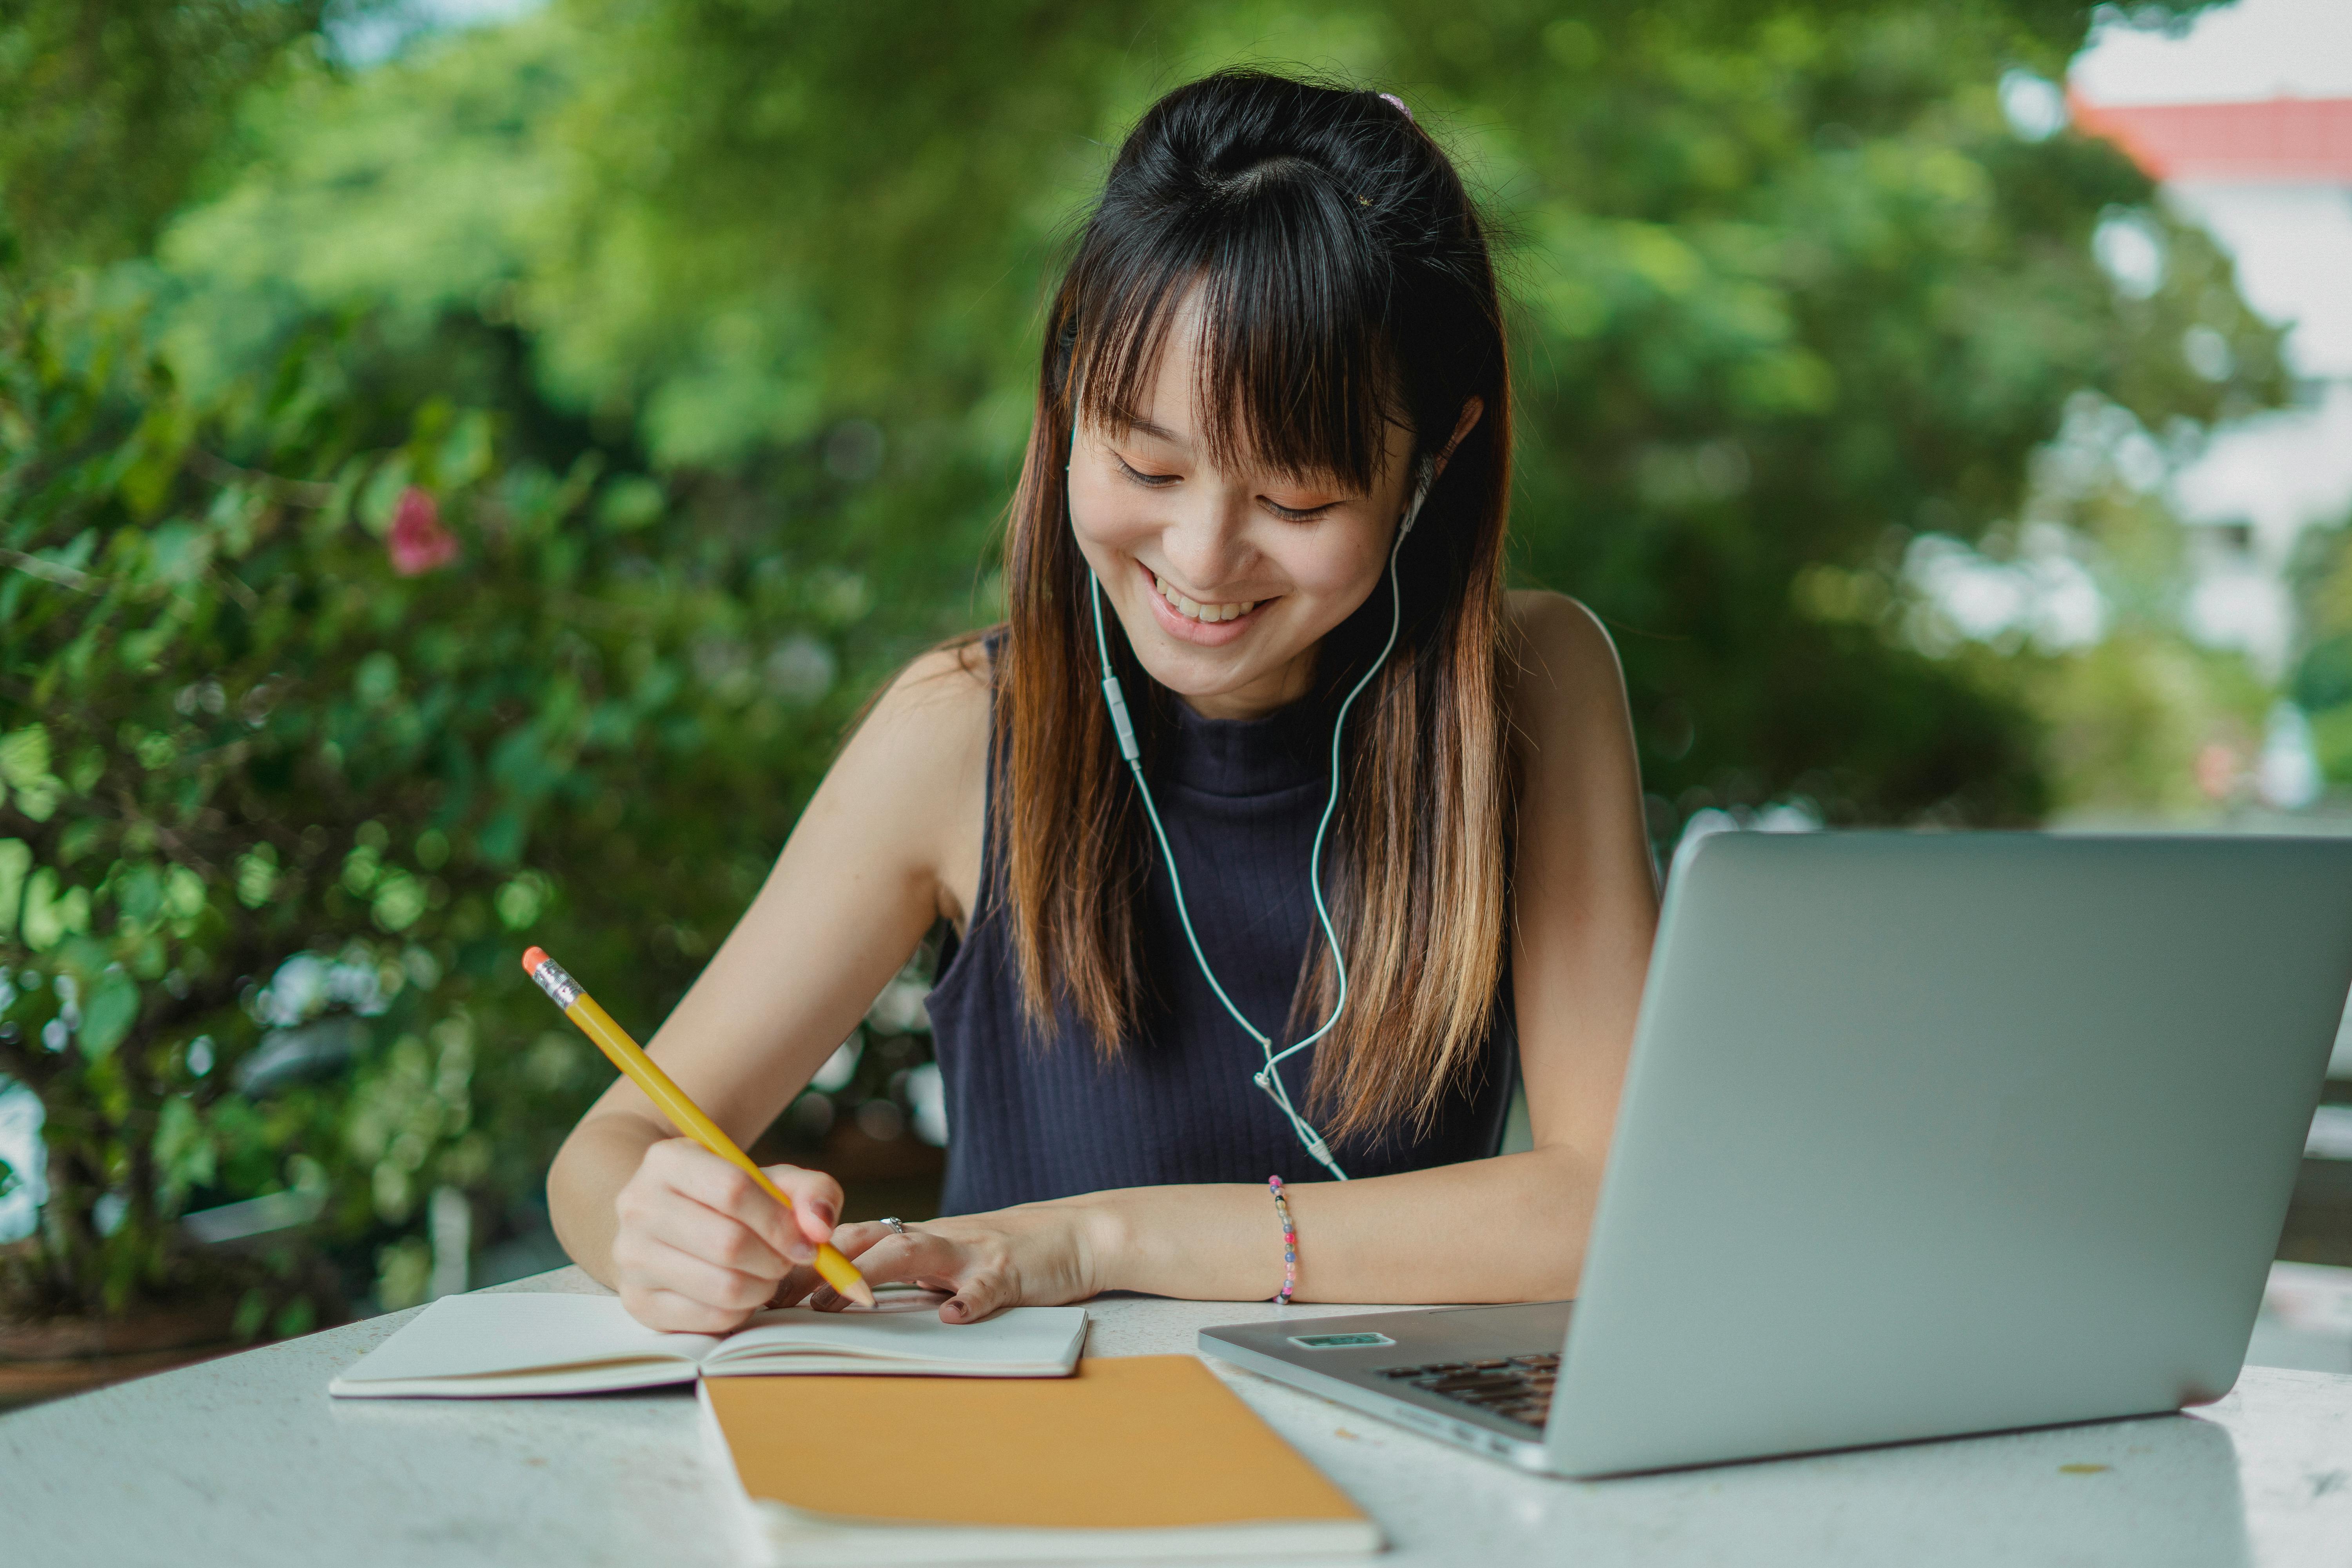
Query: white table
{"x": 246, "y": 1460}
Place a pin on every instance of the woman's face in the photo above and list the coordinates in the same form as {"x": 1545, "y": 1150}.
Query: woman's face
{"x": 1226, "y": 580}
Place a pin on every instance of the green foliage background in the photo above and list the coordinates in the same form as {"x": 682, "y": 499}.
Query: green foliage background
{"x": 707, "y": 326}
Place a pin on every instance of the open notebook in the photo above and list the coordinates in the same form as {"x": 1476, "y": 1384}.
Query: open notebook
{"x": 1135, "y": 1457}
{"x": 513, "y": 1344}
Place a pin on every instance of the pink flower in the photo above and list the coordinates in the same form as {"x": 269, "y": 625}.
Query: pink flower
{"x": 418, "y": 542}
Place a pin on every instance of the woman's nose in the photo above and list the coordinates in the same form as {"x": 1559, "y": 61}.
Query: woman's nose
{"x": 1202, "y": 544}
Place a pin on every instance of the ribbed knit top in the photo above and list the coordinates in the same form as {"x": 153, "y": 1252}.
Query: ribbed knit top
{"x": 1033, "y": 1117}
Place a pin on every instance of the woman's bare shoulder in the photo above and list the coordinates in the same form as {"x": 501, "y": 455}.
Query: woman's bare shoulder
{"x": 947, "y": 685}
{"x": 1558, "y": 655}
{"x": 913, "y": 779}
{"x": 930, "y": 725}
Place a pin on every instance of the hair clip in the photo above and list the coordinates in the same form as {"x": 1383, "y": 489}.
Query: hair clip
{"x": 1401, "y": 108}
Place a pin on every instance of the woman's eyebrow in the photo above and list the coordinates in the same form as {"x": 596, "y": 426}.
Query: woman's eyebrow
{"x": 1157, "y": 432}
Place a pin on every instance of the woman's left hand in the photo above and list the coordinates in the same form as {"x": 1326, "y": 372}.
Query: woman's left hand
{"x": 1037, "y": 1255}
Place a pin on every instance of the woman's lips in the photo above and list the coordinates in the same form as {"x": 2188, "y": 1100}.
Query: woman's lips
{"x": 1184, "y": 628}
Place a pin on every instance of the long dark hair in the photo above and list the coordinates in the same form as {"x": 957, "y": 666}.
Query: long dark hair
{"x": 1347, "y": 286}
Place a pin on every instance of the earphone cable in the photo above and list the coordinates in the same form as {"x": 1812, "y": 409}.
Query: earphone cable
{"x": 1269, "y": 1076}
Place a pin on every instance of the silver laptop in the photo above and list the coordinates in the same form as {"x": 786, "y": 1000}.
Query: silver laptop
{"x": 1923, "y": 1135}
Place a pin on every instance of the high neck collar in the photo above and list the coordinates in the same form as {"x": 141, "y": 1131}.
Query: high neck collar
{"x": 1279, "y": 750}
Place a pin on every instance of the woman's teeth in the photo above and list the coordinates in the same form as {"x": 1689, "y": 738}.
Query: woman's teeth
{"x": 1200, "y": 612}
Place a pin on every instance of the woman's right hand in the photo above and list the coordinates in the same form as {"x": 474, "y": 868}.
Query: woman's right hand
{"x": 700, "y": 1248}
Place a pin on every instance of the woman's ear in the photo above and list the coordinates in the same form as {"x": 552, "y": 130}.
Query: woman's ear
{"x": 1471, "y": 409}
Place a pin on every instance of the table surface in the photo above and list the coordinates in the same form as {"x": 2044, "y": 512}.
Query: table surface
{"x": 246, "y": 1460}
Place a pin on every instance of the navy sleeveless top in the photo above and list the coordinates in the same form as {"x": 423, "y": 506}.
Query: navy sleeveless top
{"x": 1032, "y": 1118}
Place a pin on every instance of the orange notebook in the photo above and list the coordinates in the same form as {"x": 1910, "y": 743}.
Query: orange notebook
{"x": 1133, "y": 1458}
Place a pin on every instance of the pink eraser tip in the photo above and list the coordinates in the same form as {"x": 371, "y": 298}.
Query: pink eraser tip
{"x": 532, "y": 957}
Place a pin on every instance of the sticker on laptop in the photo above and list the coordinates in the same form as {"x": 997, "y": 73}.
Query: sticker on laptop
{"x": 1339, "y": 1341}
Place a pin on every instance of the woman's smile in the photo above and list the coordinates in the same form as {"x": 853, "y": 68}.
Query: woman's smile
{"x": 1188, "y": 620}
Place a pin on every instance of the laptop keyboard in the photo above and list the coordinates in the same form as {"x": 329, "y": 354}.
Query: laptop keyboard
{"x": 1517, "y": 1388}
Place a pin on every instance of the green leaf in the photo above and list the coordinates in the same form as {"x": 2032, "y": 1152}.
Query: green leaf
{"x": 377, "y": 679}
{"x": 15, "y": 861}
{"x": 177, "y": 554}
{"x": 139, "y": 893}
{"x": 184, "y": 894}
{"x": 257, "y": 875}
{"x": 108, "y": 1014}
{"x": 381, "y": 494}
{"x": 399, "y": 900}
{"x": 50, "y": 916}
{"x": 184, "y": 1155}
{"x": 24, "y": 756}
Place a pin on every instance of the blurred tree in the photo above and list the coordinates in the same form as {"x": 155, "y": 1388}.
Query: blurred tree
{"x": 112, "y": 106}
{"x": 1792, "y": 291}
{"x": 558, "y": 426}
{"x": 310, "y": 704}
{"x": 1800, "y": 295}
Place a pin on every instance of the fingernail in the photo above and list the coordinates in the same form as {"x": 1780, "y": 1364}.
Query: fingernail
{"x": 800, "y": 1250}
{"x": 958, "y": 1307}
{"x": 824, "y": 1212}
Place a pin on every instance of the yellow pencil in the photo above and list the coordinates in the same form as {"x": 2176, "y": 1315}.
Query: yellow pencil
{"x": 687, "y": 1117}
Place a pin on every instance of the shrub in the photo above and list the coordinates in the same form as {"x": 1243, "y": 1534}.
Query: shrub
{"x": 312, "y": 713}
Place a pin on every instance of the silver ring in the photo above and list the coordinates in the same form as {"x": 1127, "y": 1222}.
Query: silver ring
{"x": 897, "y": 1227}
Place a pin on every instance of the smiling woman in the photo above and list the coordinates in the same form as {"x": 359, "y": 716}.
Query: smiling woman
{"x": 1276, "y": 841}
{"x": 1282, "y": 298}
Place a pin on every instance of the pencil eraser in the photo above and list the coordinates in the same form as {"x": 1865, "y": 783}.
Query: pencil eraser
{"x": 532, "y": 957}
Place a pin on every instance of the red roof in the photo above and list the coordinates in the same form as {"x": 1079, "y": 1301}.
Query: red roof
{"x": 2299, "y": 140}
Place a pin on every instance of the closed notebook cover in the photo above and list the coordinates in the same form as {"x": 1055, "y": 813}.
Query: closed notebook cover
{"x": 1128, "y": 1443}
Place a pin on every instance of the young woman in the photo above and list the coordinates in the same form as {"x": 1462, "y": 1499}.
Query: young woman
{"x": 1265, "y": 492}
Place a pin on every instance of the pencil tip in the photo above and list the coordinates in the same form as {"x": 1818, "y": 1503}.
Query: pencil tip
{"x": 859, "y": 1291}
{"x": 532, "y": 957}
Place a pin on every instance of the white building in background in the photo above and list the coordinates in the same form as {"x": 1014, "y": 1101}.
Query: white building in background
{"x": 2245, "y": 117}
{"x": 2273, "y": 182}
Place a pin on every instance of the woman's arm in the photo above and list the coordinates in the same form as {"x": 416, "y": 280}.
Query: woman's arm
{"x": 1508, "y": 1228}
{"x": 889, "y": 844}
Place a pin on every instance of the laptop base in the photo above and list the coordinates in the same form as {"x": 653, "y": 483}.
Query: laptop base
{"x": 1328, "y": 1357}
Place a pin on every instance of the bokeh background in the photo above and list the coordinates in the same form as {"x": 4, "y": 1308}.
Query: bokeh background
{"x": 462, "y": 466}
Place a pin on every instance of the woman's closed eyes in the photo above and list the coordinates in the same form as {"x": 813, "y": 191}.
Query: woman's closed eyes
{"x": 1288, "y": 514}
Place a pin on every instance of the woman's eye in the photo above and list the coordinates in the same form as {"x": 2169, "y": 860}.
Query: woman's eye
{"x": 1155, "y": 480}
{"x": 1294, "y": 514}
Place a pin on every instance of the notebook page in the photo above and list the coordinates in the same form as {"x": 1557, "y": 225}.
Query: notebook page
{"x": 1020, "y": 1342}
{"x": 472, "y": 1336}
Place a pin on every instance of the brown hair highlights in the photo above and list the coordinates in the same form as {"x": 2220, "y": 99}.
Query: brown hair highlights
{"x": 1345, "y": 284}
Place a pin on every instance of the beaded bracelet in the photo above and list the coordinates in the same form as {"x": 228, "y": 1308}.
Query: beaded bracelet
{"x": 1289, "y": 1243}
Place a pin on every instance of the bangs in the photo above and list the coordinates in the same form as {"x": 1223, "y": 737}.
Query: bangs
{"x": 1297, "y": 374}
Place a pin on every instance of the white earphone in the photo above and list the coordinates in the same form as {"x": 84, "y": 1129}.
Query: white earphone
{"x": 1269, "y": 1076}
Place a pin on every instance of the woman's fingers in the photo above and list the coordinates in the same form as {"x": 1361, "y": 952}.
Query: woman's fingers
{"x": 664, "y": 1266}
{"x": 815, "y": 1196}
{"x": 705, "y": 1233}
{"x": 687, "y": 1167}
{"x": 979, "y": 1295}
{"x": 695, "y": 1229}
{"x": 665, "y": 1310}
{"x": 855, "y": 1240}
{"x": 973, "y": 1276}
{"x": 795, "y": 1286}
